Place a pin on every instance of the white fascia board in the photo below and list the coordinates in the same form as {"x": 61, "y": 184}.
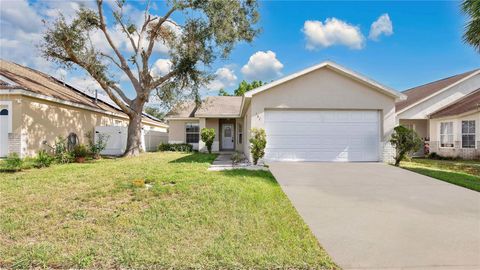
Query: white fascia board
{"x": 438, "y": 92}
{"x": 336, "y": 67}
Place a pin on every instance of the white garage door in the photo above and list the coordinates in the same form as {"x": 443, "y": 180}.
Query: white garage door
{"x": 322, "y": 135}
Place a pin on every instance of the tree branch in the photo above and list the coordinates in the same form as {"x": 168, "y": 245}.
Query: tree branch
{"x": 123, "y": 62}
{"x": 159, "y": 81}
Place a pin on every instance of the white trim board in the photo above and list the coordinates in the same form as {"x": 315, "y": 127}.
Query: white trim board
{"x": 438, "y": 92}
{"x": 335, "y": 67}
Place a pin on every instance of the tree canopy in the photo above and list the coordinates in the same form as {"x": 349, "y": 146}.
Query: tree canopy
{"x": 207, "y": 29}
{"x": 243, "y": 87}
{"x": 472, "y": 29}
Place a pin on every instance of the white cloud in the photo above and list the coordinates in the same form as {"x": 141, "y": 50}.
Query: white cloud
{"x": 262, "y": 66}
{"x": 224, "y": 77}
{"x": 161, "y": 67}
{"x": 19, "y": 14}
{"x": 332, "y": 32}
{"x": 382, "y": 26}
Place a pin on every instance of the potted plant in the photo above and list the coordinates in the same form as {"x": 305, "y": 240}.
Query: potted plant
{"x": 80, "y": 152}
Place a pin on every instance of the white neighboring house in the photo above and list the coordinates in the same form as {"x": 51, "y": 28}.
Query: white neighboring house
{"x": 446, "y": 114}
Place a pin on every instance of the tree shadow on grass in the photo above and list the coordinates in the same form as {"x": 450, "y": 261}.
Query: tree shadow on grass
{"x": 236, "y": 173}
{"x": 196, "y": 158}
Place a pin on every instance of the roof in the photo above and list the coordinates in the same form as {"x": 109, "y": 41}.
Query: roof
{"x": 468, "y": 103}
{"x": 34, "y": 81}
{"x": 214, "y": 106}
{"x": 220, "y": 106}
{"x": 335, "y": 67}
{"x": 419, "y": 93}
{"x": 183, "y": 110}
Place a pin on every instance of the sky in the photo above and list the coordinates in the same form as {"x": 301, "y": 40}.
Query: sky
{"x": 400, "y": 44}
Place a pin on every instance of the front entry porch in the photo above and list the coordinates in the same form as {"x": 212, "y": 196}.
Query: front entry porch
{"x": 228, "y": 134}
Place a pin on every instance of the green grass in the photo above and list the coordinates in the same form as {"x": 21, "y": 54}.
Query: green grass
{"x": 464, "y": 173}
{"x": 92, "y": 216}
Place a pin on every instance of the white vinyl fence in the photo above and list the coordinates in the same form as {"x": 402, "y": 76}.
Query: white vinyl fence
{"x": 117, "y": 139}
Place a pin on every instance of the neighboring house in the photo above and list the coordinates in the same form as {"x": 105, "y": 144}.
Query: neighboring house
{"x": 323, "y": 113}
{"x": 426, "y": 106}
{"x": 36, "y": 108}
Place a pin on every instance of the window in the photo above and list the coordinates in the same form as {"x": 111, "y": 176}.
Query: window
{"x": 446, "y": 134}
{"x": 468, "y": 134}
{"x": 240, "y": 133}
{"x": 4, "y": 112}
{"x": 191, "y": 131}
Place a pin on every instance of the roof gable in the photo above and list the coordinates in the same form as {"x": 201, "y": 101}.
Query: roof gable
{"x": 420, "y": 93}
{"x": 466, "y": 104}
{"x": 335, "y": 67}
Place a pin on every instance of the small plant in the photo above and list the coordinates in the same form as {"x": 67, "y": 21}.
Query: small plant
{"x": 258, "y": 142}
{"x": 208, "y": 135}
{"x": 176, "y": 147}
{"x": 405, "y": 141}
{"x": 97, "y": 145}
{"x": 80, "y": 152}
{"x": 42, "y": 160}
{"x": 13, "y": 163}
{"x": 62, "y": 155}
{"x": 237, "y": 157}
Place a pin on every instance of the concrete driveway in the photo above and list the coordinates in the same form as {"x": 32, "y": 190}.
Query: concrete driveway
{"x": 376, "y": 216}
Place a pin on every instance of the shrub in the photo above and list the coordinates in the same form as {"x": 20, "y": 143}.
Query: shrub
{"x": 42, "y": 160}
{"x": 208, "y": 135}
{"x": 80, "y": 151}
{"x": 60, "y": 150}
{"x": 97, "y": 146}
{"x": 176, "y": 147}
{"x": 405, "y": 141}
{"x": 258, "y": 141}
{"x": 13, "y": 163}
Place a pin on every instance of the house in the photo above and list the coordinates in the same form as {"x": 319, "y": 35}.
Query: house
{"x": 36, "y": 108}
{"x": 445, "y": 113}
{"x": 323, "y": 113}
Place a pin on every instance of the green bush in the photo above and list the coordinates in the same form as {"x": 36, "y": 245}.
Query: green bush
{"x": 436, "y": 156}
{"x": 60, "y": 149}
{"x": 258, "y": 142}
{"x": 176, "y": 147}
{"x": 405, "y": 141}
{"x": 97, "y": 146}
{"x": 42, "y": 160}
{"x": 208, "y": 135}
{"x": 13, "y": 163}
{"x": 80, "y": 151}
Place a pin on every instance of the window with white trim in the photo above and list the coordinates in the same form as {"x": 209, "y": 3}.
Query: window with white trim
{"x": 446, "y": 134}
{"x": 468, "y": 134}
{"x": 192, "y": 132}
{"x": 240, "y": 133}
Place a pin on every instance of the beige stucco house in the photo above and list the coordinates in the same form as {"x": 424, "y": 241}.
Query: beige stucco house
{"x": 445, "y": 113}
{"x": 323, "y": 113}
{"x": 36, "y": 108}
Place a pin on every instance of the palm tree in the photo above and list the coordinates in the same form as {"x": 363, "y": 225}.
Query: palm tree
{"x": 472, "y": 30}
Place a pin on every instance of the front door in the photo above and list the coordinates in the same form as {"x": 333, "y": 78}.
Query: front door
{"x": 227, "y": 136}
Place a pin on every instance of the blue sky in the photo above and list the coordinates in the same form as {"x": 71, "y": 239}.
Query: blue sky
{"x": 416, "y": 42}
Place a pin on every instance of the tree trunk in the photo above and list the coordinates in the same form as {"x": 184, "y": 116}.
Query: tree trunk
{"x": 134, "y": 138}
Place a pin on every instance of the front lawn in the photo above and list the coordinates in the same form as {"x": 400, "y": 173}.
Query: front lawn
{"x": 463, "y": 173}
{"x": 95, "y": 215}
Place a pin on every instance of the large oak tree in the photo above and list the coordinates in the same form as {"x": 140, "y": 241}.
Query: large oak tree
{"x": 203, "y": 31}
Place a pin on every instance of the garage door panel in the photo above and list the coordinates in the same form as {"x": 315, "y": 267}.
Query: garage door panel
{"x": 322, "y": 135}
